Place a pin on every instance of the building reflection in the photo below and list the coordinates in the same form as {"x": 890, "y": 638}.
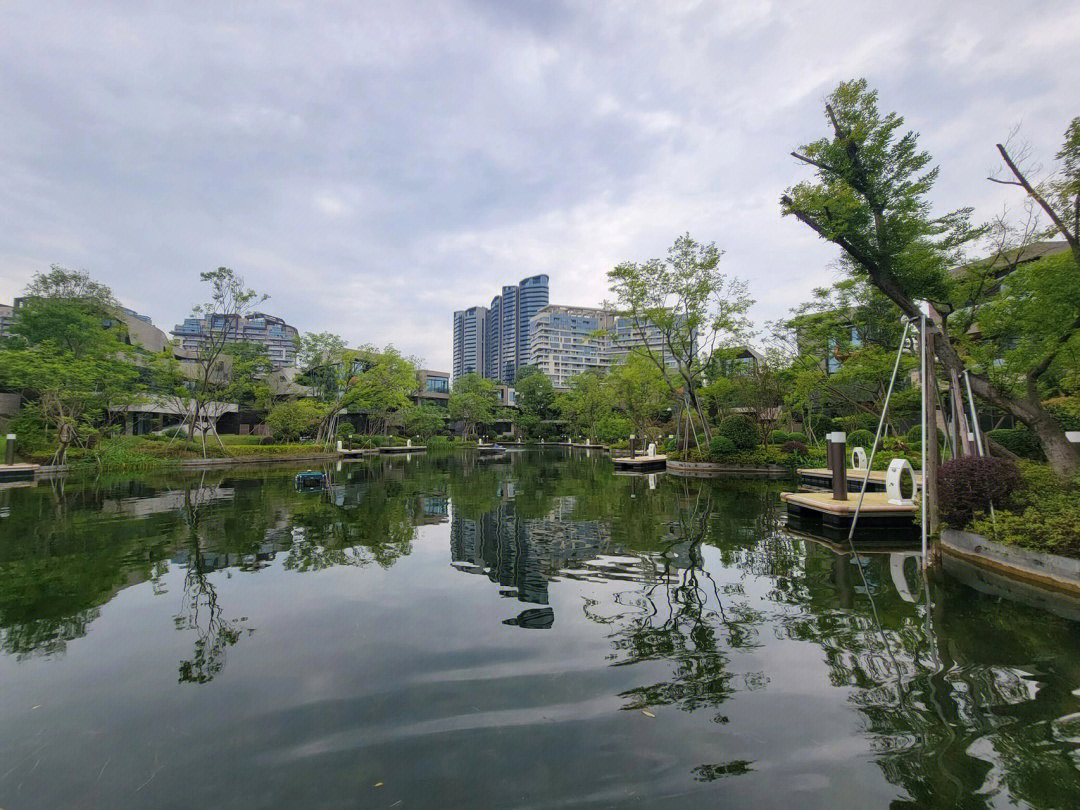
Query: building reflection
{"x": 522, "y": 555}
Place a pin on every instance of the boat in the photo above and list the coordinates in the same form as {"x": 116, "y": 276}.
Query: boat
{"x": 309, "y": 480}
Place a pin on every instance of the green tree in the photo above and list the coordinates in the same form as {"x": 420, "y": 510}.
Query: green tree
{"x": 637, "y": 388}
{"x": 227, "y": 301}
{"x": 293, "y": 419}
{"x": 681, "y": 310}
{"x": 586, "y": 403}
{"x": 535, "y": 398}
{"x": 871, "y": 198}
{"x": 472, "y": 402}
{"x": 424, "y": 420}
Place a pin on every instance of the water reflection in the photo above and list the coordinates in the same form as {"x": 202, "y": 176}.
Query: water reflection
{"x": 685, "y": 604}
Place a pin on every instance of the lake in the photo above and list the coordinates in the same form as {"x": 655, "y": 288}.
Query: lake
{"x": 437, "y": 631}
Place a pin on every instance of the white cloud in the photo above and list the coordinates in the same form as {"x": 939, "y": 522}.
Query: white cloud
{"x": 375, "y": 168}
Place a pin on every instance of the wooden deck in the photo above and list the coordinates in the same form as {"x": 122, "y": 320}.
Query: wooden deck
{"x": 402, "y": 449}
{"x": 640, "y": 463}
{"x": 817, "y": 510}
{"x": 873, "y": 503}
{"x": 361, "y": 451}
{"x": 18, "y": 472}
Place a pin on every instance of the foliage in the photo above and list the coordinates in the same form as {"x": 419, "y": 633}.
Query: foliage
{"x": 637, "y": 389}
{"x": 871, "y": 198}
{"x": 344, "y": 430}
{"x": 611, "y": 427}
{"x": 472, "y": 402}
{"x": 741, "y": 430}
{"x": 292, "y": 419}
{"x": 120, "y": 453}
{"x": 795, "y": 447}
{"x": 861, "y": 438}
{"x": 720, "y": 447}
{"x": 970, "y": 484}
{"x": 1066, "y": 410}
{"x": 535, "y": 398}
{"x": 690, "y": 305}
{"x": 1018, "y": 440}
{"x": 424, "y": 420}
{"x": 586, "y": 403}
{"x": 1044, "y": 514}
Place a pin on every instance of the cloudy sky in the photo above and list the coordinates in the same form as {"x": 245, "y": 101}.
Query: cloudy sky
{"x": 373, "y": 167}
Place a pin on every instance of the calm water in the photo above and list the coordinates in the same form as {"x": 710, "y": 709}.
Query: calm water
{"x": 541, "y": 633}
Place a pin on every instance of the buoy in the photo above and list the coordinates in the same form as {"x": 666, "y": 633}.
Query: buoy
{"x": 858, "y": 459}
{"x": 893, "y": 479}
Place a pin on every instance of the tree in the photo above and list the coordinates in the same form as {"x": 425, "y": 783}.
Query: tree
{"x": 637, "y": 388}
{"x": 535, "y": 398}
{"x": 871, "y": 199}
{"x": 380, "y": 384}
{"x": 686, "y": 302}
{"x": 760, "y": 389}
{"x": 228, "y": 300}
{"x": 472, "y": 402}
{"x": 291, "y": 420}
{"x": 587, "y": 403}
{"x": 424, "y": 420}
{"x": 69, "y": 358}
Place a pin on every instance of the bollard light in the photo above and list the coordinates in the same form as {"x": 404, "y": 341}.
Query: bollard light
{"x": 1072, "y": 435}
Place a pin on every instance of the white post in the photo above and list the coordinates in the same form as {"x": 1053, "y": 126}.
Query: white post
{"x": 922, "y": 382}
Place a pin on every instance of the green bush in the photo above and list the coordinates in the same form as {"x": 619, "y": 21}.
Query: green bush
{"x": 797, "y": 437}
{"x": 778, "y": 437}
{"x": 819, "y": 425}
{"x": 439, "y": 443}
{"x": 720, "y": 447}
{"x": 121, "y": 453}
{"x": 861, "y": 438}
{"x": 1043, "y": 515}
{"x": 1019, "y": 440}
{"x": 857, "y": 421}
{"x": 1066, "y": 411}
{"x": 234, "y": 439}
{"x": 669, "y": 445}
{"x": 344, "y": 430}
{"x": 742, "y": 431}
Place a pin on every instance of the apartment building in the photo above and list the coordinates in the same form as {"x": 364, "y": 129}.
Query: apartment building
{"x": 278, "y": 337}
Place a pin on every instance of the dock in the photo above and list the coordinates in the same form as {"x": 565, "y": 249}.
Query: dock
{"x": 361, "y": 451}
{"x": 589, "y": 446}
{"x": 821, "y": 478}
{"x": 810, "y": 509}
{"x": 403, "y": 449}
{"x": 640, "y": 463}
{"x": 17, "y": 472}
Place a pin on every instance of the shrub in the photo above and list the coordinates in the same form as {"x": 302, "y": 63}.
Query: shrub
{"x": 291, "y": 420}
{"x": 861, "y": 438}
{"x": 857, "y": 421}
{"x": 968, "y": 485}
{"x": 670, "y": 445}
{"x": 1044, "y": 514}
{"x": 438, "y": 443}
{"x": 797, "y": 437}
{"x": 721, "y": 447}
{"x": 742, "y": 431}
{"x": 778, "y": 437}
{"x": 1066, "y": 411}
{"x": 795, "y": 448}
{"x": 1019, "y": 440}
{"x": 344, "y": 430}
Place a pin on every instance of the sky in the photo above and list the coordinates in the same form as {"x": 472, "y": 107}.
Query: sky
{"x": 373, "y": 167}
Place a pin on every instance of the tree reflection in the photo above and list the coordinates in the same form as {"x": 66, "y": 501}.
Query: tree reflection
{"x": 681, "y": 618}
{"x": 202, "y": 611}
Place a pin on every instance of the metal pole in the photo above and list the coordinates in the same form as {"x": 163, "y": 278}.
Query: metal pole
{"x": 979, "y": 444}
{"x": 880, "y": 427}
{"x": 922, "y": 381}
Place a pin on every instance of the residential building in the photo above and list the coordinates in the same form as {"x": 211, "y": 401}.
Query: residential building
{"x": 568, "y": 341}
{"x": 7, "y": 317}
{"x": 469, "y": 341}
{"x": 433, "y": 388}
{"x": 505, "y": 337}
{"x": 278, "y": 337}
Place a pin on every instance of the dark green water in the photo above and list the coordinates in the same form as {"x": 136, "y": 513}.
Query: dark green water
{"x": 536, "y": 634}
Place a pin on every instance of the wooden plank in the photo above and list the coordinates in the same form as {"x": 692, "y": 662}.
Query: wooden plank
{"x": 873, "y": 503}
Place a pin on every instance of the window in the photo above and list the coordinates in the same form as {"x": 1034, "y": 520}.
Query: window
{"x": 438, "y": 385}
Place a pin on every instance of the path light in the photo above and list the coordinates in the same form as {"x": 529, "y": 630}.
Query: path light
{"x": 1072, "y": 435}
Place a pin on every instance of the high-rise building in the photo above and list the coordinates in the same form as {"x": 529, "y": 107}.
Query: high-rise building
{"x": 277, "y": 336}
{"x": 469, "y": 341}
{"x": 504, "y": 339}
{"x": 567, "y": 341}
